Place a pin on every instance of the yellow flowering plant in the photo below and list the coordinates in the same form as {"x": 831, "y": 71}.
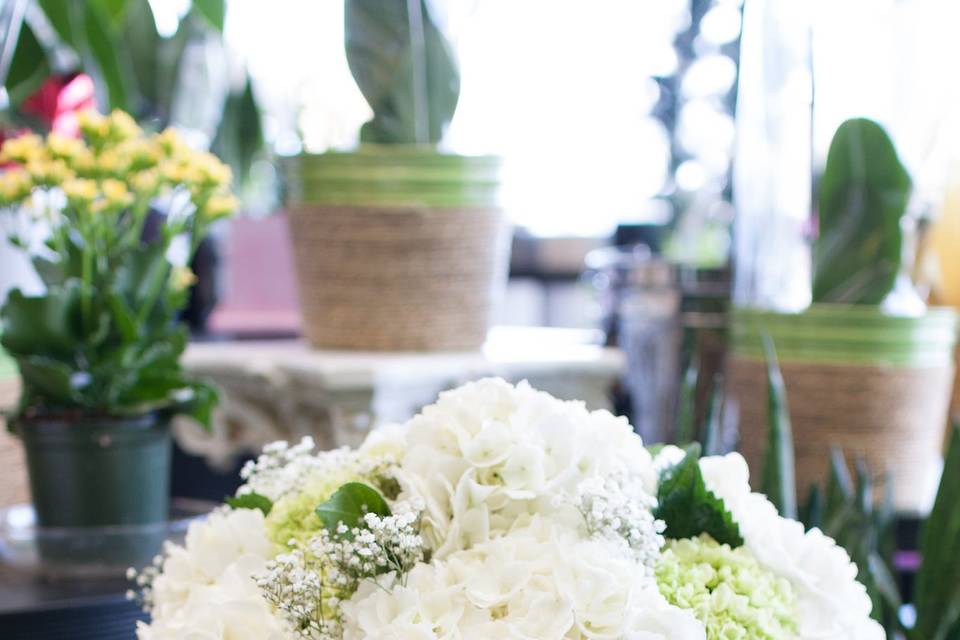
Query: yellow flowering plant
{"x": 102, "y": 339}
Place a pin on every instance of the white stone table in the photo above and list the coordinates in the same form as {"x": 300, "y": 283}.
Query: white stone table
{"x": 285, "y": 390}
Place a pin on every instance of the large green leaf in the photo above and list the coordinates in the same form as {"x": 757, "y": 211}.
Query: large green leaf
{"x": 214, "y": 11}
{"x": 48, "y": 381}
{"x": 349, "y": 504}
{"x": 405, "y": 69}
{"x": 778, "y": 479}
{"x": 864, "y": 192}
{"x": 86, "y": 28}
{"x": 938, "y": 580}
{"x": 45, "y": 325}
{"x": 688, "y": 508}
{"x": 29, "y": 67}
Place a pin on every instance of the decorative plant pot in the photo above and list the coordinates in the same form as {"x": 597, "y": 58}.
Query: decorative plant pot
{"x": 397, "y": 248}
{"x": 98, "y": 472}
{"x": 877, "y": 386}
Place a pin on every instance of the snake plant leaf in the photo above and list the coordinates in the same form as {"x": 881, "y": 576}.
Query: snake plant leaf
{"x": 404, "y": 67}
{"x": 686, "y": 404}
{"x": 712, "y": 430}
{"x": 778, "y": 479}
{"x": 938, "y": 580}
{"x": 29, "y": 67}
{"x": 812, "y": 513}
{"x": 863, "y": 196}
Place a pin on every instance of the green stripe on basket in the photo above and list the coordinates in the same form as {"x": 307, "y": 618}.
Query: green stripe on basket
{"x": 848, "y": 335}
{"x": 388, "y": 176}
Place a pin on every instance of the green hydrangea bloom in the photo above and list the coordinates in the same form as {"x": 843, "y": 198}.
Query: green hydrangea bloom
{"x": 727, "y": 590}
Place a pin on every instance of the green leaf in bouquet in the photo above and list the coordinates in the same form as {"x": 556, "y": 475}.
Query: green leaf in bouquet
{"x": 688, "y": 508}
{"x": 252, "y": 500}
{"x": 864, "y": 193}
{"x": 937, "y": 587}
{"x": 349, "y": 504}
{"x": 778, "y": 479}
{"x": 404, "y": 67}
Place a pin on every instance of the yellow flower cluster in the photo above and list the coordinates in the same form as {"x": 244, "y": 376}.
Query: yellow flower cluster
{"x": 114, "y": 167}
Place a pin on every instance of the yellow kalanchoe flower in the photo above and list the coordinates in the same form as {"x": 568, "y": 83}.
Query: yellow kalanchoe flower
{"x": 23, "y": 149}
{"x": 93, "y": 125}
{"x": 182, "y": 278}
{"x": 122, "y": 126}
{"x": 49, "y": 172}
{"x": 80, "y": 191}
{"x": 64, "y": 148}
{"x": 116, "y": 194}
{"x": 169, "y": 141}
{"x": 219, "y": 206}
{"x": 146, "y": 183}
{"x": 15, "y": 185}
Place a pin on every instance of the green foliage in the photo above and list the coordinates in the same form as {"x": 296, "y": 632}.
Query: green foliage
{"x": 251, "y": 500}
{"x": 712, "y": 431}
{"x": 689, "y": 509}
{"x": 938, "y": 581}
{"x": 778, "y": 477}
{"x": 686, "y": 403}
{"x": 864, "y": 192}
{"x": 349, "y": 504}
{"x": 405, "y": 69}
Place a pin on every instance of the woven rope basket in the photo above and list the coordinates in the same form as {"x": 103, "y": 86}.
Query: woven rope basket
{"x": 397, "y": 279}
{"x": 893, "y": 417}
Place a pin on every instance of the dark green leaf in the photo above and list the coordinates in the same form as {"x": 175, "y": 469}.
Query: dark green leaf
{"x": 239, "y": 137}
{"x": 689, "y": 509}
{"x": 812, "y": 515}
{"x": 713, "y": 430}
{"x": 863, "y": 196}
{"x": 686, "y": 404}
{"x": 405, "y": 69}
{"x": 214, "y": 11}
{"x": 349, "y": 504}
{"x": 840, "y": 489}
{"x": 938, "y": 580}
{"x": 778, "y": 477}
{"x": 45, "y": 325}
{"x": 48, "y": 381}
{"x": 105, "y": 49}
{"x": 251, "y": 500}
{"x": 29, "y": 67}
{"x": 201, "y": 404}
{"x": 115, "y": 10}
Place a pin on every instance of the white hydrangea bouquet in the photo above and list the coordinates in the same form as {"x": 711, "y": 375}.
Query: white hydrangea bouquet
{"x": 501, "y": 512}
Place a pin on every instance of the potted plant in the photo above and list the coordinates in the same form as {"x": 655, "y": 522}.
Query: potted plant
{"x": 867, "y": 367}
{"x": 97, "y": 351}
{"x": 397, "y": 245}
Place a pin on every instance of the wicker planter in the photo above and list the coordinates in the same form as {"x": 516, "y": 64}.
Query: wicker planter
{"x": 877, "y": 386}
{"x": 396, "y": 248}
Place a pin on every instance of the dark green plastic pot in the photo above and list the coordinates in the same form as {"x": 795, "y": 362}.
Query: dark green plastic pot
{"x": 98, "y": 472}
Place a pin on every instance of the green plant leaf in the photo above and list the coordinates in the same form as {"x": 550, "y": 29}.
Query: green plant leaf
{"x": 864, "y": 192}
{"x": 46, "y": 325}
{"x": 29, "y": 67}
{"x": 349, "y": 504}
{"x": 778, "y": 479}
{"x": 214, "y": 11}
{"x": 937, "y": 583}
{"x": 686, "y": 404}
{"x": 251, "y": 500}
{"x": 47, "y": 380}
{"x": 812, "y": 514}
{"x": 239, "y": 137}
{"x": 405, "y": 69}
{"x": 688, "y": 508}
{"x": 712, "y": 430}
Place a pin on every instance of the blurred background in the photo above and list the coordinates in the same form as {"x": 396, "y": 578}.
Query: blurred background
{"x": 659, "y": 165}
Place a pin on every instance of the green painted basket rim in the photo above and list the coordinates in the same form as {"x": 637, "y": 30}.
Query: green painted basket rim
{"x": 393, "y": 176}
{"x": 844, "y": 334}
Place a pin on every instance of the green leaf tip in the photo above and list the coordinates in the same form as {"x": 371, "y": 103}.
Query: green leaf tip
{"x": 251, "y": 500}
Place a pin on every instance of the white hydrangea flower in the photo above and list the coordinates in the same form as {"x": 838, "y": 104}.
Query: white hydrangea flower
{"x": 488, "y": 452}
{"x": 538, "y": 580}
{"x": 206, "y": 590}
{"x": 832, "y": 604}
